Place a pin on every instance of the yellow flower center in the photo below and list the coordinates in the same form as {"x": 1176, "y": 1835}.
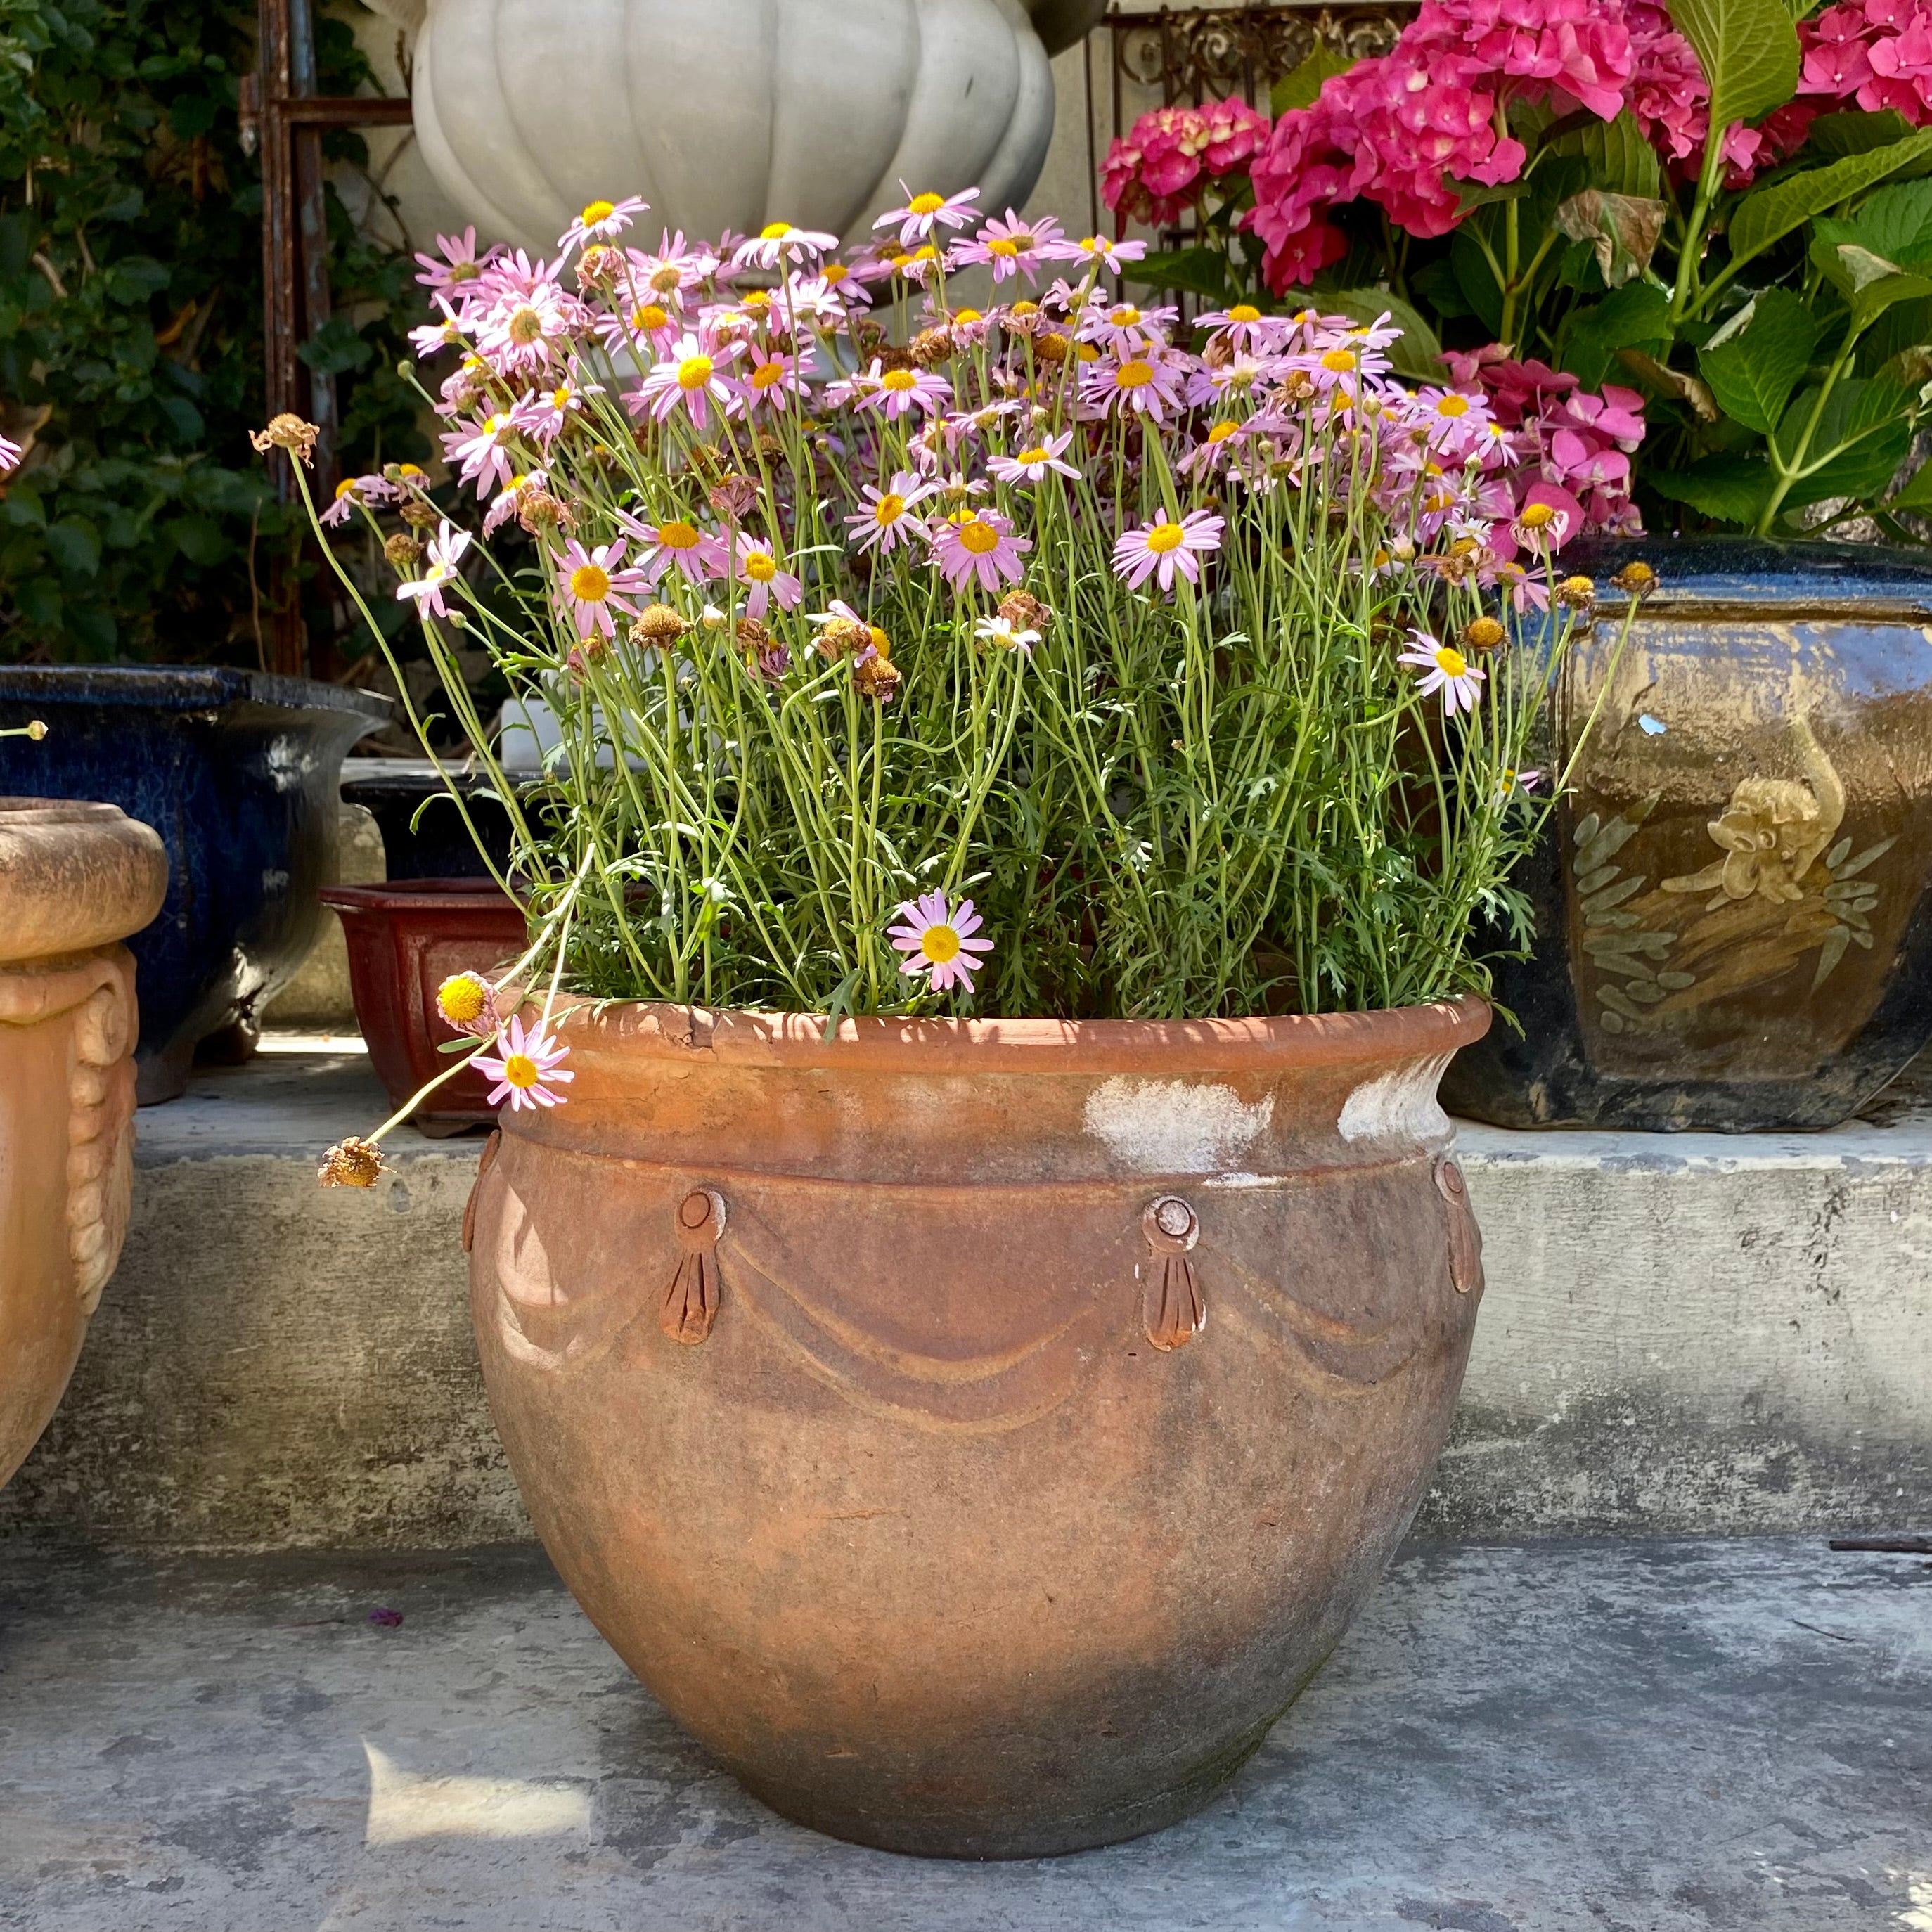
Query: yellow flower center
{"x": 926, "y": 204}
{"x": 941, "y": 944}
{"x": 677, "y": 536}
{"x": 589, "y": 584}
{"x": 757, "y": 298}
{"x": 888, "y": 510}
{"x": 1165, "y": 537}
{"x": 928, "y": 253}
{"x": 1125, "y": 317}
{"x": 408, "y": 469}
{"x": 1026, "y": 308}
{"x": 1136, "y": 375}
{"x": 460, "y": 998}
{"x": 595, "y": 211}
{"x": 1450, "y": 661}
{"x": 767, "y": 374}
{"x": 774, "y": 231}
{"x": 649, "y": 318}
{"x": 1536, "y": 516}
{"x": 1341, "y": 361}
{"x": 961, "y": 317}
{"x": 900, "y": 380}
{"x": 1222, "y": 431}
{"x": 1452, "y": 405}
{"x": 1038, "y": 455}
{"x": 526, "y": 326}
{"x": 560, "y": 396}
{"x": 999, "y": 245}
{"x": 694, "y": 372}
{"x": 981, "y": 539}
{"x": 465, "y": 272}
{"x": 520, "y": 1070}
{"x": 1244, "y": 312}
{"x": 881, "y": 643}
{"x": 760, "y": 568}
{"x": 835, "y": 272}
{"x": 346, "y": 487}
{"x": 666, "y": 279}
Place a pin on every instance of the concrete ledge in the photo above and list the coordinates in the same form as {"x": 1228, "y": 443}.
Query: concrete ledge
{"x": 1680, "y": 1333}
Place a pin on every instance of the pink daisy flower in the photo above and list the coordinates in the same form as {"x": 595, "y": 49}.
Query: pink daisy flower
{"x": 432, "y": 338}
{"x": 766, "y": 580}
{"x": 1445, "y": 669}
{"x": 590, "y": 585}
{"x": 779, "y": 241}
{"x": 1164, "y": 547}
{"x": 1125, "y": 329}
{"x": 1244, "y": 326}
{"x": 526, "y": 330}
{"x": 1141, "y": 384}
{"x": 1011, "y": 246}
{"x": 1097, "y": 248}
{"x": 937, "y": 941}
{"x": 923, "y": 213}
{"x": 897, "y": 391}
{"x": 769, "y": 378}
{"x": 885, "y": 519}
{"x": 351, "y": 491}
{"x": 691, "y": 376}
{"x": 544, "y": 415}
{"x": 981, "y": 544}
{"x": 1031, "y": 465}
{"x": 531, "y": 1064}
{"x": 601, "y": 221}
{"x": 676, "y": 544}
{"x": 457, "y": 265}
{"x": 443, "y": 557}
{"x": 483, "y": 455}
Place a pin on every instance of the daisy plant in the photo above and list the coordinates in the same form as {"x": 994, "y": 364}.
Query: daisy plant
{"x": 1051, "y": 658}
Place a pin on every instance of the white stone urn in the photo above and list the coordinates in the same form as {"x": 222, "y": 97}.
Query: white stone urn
{"x": 731, "y": 113}
{"x": 75, "y": 879}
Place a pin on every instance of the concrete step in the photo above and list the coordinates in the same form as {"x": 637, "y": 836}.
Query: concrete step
{"x": 1712, "y": 1736}
{"x": 1682, "y": 1333}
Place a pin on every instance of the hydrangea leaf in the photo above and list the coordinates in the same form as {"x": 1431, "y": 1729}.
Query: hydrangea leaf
{"x": 1863, "y": 432}
{"x": 1730, "y": 487}
{"x": 1416, "y": 353}
{"x": 1753, "y": 363}
{"x": 1773, "y": 212}
{"x": 1301, "y": 88}
{"x": 1749, "y": 52}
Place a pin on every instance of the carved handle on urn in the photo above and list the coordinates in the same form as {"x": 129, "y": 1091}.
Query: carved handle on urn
{"x": 1466, "y": 1237}
{"x": 1172, "y": 1310}
{"x": 691, "y": 1302}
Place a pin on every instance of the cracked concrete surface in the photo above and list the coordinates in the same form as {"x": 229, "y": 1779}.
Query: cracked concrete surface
{"x": 1558, "y": 1737}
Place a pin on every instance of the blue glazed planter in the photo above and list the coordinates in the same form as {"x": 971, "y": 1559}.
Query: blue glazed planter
{"x": 239, "y": 771}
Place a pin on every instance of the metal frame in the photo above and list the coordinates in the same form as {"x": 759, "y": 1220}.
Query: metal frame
{"x": 281, "y": 111}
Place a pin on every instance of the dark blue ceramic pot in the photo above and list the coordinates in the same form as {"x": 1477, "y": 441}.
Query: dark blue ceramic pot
{"x": 1734, "y": 900}
{"x": 239, "y": 771}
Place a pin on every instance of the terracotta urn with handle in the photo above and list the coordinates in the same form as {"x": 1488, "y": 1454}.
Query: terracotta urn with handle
{"x": 977, "y": 1433}
{"x": 75, "y": 880}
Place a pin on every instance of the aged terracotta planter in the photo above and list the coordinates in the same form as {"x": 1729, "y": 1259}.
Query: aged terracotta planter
{"x": 404, "y": 940}
{"x": 74, "y": 879}
{"x": 978, "y": 1434}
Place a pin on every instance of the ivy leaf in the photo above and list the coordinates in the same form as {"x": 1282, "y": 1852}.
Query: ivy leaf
{"x": 1748, "y": 50}
{"x": 1771, "y": 213}
{"x": 1757, "y": 359}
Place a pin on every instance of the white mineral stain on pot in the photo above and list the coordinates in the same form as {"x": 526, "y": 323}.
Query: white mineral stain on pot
{"x": 1400, "y": 1106}
{"x": 1174, "y": 1127}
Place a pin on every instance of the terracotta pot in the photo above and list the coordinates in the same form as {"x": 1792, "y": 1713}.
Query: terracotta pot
{"x": 74, "y": 878}
{"x": 977, "y": 1434}
{"x": 404, "y": 940}
{"x": 1734, "y": 901}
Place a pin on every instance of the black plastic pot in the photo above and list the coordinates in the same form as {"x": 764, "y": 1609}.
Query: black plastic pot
{"x": 239, "y": 771}
{"x": 1734, "y": 903}
{"x": 423, "y": 836}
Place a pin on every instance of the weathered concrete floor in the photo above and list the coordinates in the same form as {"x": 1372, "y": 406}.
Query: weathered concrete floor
{"x": 1679, "y": 1737}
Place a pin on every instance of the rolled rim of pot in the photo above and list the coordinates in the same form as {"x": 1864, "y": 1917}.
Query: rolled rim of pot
{"x": 183, "y": 688}
{"x": 1747, "y": 572}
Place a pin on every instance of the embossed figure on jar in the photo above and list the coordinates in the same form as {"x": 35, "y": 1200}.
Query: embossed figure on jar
{"x": 74, "y": 879}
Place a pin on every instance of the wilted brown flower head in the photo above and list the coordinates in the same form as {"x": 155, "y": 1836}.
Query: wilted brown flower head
{"x": 1481, "y": 634}
{"x": 752, "y": 634}
{"x": 659, "y": 624}
{"x": 289, "y": 433}
{"x": 1025, "y": 611}
{"x": 598, "y": 263}
{"x": 1052, "y": 347}
{"x": 538, "y": 510}
{"x": 932, "y": 347}
{"x": 734, "y": 496}
{"x": 1576, "y": 593}
{"x": 875, "y": 675}
{"x": 419, "y": 512}
{"x": 1636, "y": 579}
{"x": 403, "y": 550}
{"x": 351, "y": 1163}
{"x": 843, "y": 636}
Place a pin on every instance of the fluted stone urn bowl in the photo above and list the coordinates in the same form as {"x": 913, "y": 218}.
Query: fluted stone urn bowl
{"x": 75, "y": 879}
{"x": 731, "y": 114}
{"x": 977, "y": 1433}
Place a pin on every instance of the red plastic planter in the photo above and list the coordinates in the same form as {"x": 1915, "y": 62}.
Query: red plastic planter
{"x": 404, "y": 940}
